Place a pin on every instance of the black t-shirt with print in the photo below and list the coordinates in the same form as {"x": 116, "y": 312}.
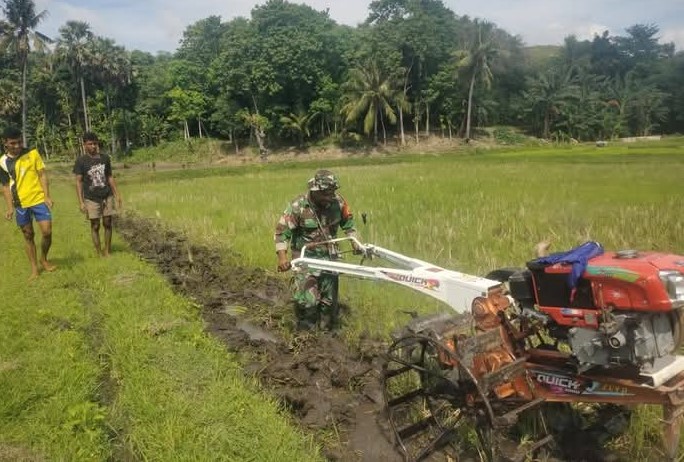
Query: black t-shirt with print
{"x": 95, "y": 172}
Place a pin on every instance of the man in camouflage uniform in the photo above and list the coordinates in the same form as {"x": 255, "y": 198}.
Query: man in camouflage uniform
{"x": 310, "y": 218}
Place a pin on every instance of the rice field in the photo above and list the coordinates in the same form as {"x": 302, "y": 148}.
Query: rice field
{"x": 93, "y": 325}
{"x": 472, "y": 211}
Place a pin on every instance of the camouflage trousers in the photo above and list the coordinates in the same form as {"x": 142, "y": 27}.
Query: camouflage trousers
{"x": 315, "y": 297}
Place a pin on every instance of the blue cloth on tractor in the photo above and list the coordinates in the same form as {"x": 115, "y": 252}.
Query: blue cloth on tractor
{"x": 578, "y": 257}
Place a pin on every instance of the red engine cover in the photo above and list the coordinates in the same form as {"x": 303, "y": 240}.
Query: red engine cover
{"x": 632, "y": 283}
{"x": 608, "y": 281}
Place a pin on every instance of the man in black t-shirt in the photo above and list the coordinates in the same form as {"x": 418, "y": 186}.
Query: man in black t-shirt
{"x": 96, "y": 191}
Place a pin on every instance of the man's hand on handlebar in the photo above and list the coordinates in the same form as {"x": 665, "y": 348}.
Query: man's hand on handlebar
{"x": 358, "y": 249}
{"x": 283, "y": 262}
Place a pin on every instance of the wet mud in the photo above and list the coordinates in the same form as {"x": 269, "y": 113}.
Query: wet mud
{"x": 329, "y": 389}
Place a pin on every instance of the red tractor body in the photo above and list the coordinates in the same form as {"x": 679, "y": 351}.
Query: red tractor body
{"x": 610, "y": 281}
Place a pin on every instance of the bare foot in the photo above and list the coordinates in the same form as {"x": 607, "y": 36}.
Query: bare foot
{"x": 47, "y": 266}
{"x": 33, "y": 277}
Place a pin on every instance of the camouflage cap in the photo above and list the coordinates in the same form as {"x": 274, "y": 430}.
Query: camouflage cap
{"x": 323, "y": 180}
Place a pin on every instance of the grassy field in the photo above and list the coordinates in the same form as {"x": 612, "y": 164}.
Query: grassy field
{"x": 472, "y": 212}
{"x": 90, "y": 360}
{"x": 101, "y": 361}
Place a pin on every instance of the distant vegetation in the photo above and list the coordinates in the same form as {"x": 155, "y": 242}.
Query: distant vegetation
{"x": 291, "y": 76}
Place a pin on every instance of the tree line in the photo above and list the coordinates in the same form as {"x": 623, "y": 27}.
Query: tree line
{"x": 289, "y": 74}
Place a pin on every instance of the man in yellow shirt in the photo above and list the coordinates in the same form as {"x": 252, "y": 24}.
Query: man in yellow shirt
{"x": 25, "y": 187}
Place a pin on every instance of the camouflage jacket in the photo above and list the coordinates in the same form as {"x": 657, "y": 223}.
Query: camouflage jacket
{"x": 302, "y": 223}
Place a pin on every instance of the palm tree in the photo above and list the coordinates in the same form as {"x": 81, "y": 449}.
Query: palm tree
{"x": 549, "y": 93}
{"x": 299, "y": 124}
{"x": 371, "y": 94}
{"x": 113, "y": 69}
{"x": 403, "y": 104}
{"x": 475, "y": 61}
{"x": 75, "y": 36}
{"x": 16, "y": 34}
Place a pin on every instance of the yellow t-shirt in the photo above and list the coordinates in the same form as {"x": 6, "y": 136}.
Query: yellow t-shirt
{"x": 24, "y": 182}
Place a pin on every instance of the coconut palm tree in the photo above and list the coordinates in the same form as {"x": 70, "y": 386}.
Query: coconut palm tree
{"x": 549, "y": 93}
{"x": 72, "y": 47}
{"x": 298, "y": 124}
{"x": 371, "y": 93}
{"x": 112, "y": 67}
{"x": 17, "y": 33}
{"x": 475, "y": 60}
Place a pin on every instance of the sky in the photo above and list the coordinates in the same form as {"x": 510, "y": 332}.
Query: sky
{"x": 158, "y": 25}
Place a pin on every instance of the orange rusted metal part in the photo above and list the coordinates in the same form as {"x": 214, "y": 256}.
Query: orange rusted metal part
{"x": 492, "y": 361}
{"x": 673, "y": 413}
{"x": 486, "y": 310}
{"x": 444, "y": 357}
{"x": 487, "y": 315}
{"x": 550, "y": 375}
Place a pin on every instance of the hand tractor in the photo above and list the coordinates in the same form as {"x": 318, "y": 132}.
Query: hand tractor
{"x": 603, "y": 329}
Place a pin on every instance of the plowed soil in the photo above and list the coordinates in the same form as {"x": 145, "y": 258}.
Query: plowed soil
{"x": 331, "y": 390}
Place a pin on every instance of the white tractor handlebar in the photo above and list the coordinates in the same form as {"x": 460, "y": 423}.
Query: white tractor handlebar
{"x": 455, "y": 289}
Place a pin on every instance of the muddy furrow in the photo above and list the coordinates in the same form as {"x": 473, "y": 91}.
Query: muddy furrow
{"x": 329, "y": 389}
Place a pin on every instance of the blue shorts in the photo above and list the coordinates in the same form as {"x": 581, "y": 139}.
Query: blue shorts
{"x": 39, "y": 212}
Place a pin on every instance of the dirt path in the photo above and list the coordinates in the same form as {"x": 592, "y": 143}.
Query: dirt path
{"x": 332, "y": 391}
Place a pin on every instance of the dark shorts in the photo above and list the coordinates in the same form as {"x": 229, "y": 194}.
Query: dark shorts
{"x": 39, "y": 212}
{"x": 101, "y": 208}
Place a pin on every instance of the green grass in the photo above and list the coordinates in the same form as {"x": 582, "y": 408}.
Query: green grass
{"x": 192, "y": 152}
{"x": 473, "y": 211}
{"x": 101, "y": 361}
{"x": 172, "y": 393}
